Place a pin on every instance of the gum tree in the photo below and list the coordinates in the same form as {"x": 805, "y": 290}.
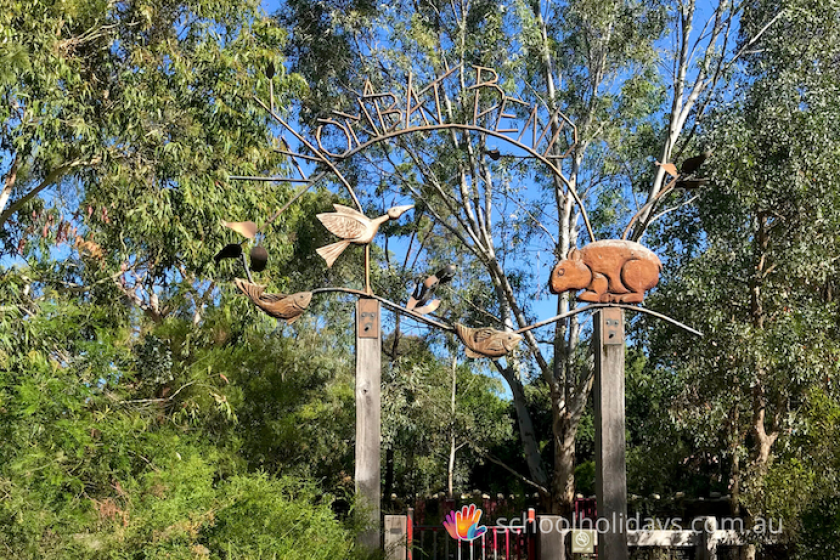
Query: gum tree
{"x": 635, "y": 78}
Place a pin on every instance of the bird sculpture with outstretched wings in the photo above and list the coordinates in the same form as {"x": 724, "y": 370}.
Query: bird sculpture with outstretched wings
{"x": 353, "y": 227}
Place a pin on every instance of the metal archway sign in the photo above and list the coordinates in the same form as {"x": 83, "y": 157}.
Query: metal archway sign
{"x": 612, "y": 273}
{"x": 549, "y": 137}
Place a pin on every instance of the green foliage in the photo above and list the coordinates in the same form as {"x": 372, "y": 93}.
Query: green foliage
{"x": 421, "y": 426}
{"x": 758, "y": 391}
{"x": 104, "y": 457}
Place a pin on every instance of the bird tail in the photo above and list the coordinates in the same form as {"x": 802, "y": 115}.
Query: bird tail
{"x": 331, "y": 252}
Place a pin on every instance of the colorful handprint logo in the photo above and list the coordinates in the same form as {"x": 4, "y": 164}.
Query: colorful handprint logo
{"x": 463, "y": 525}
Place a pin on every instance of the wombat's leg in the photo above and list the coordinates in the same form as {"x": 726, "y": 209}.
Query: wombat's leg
{"x": 639, "y": 275}
{"x": 616, "y": 283}
{"x": 596, "y": 290}
{"x": 631, "y": 298}
{"x": 589, "y": 296}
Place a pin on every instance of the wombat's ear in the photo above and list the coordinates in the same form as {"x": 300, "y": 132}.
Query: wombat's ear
{"x": 574, "y": 254}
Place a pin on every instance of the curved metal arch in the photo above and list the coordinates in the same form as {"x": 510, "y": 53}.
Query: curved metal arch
{"x": 330, "y": 161}
{"x": 596, "y": 306}
{"x": 473, "y": 128}
{"x": 592, "y": 307}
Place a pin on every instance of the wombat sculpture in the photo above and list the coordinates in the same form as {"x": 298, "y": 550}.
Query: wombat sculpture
{"x": 610, "y": 271}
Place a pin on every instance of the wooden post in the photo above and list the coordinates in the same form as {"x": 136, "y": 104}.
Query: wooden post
{"x": 396, "y": 537}
{"x": 552, "y": 538}
{"x": 708, "y": 544}
{"x": 368, "y": 409}
{"x": 610, "y": 463}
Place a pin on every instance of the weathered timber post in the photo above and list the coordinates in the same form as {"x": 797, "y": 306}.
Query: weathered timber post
{"x": 708, "y": 544}
{"x": 610, "y": 464}
{"x": 368, "y": 410}
{"x": 396, "y": 537}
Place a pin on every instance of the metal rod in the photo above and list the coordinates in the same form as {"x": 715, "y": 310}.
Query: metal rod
{"x": 247, "y": 270}
{"x": 387, "y": 303}
{"x": 267, "y": 179}
{"x": 326, "y": 161}
{"x": 367, "y": 269}
{"x": 296, "y": 155}
{"x": 648, "y": 206}
{"x": 601, "y": 305}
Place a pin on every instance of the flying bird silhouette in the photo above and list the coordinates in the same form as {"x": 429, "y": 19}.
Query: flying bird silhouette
{"x": 486, "y": 342}
{"x": 494, "y": 154}
{"x": 425, "y": 290}
{"x": 280, "y": 306}
{"x": 353, "y": 227}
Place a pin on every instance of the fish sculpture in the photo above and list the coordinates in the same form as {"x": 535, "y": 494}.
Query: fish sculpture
{"x": 486, "y": 342}
{"x": 280, "y": 306}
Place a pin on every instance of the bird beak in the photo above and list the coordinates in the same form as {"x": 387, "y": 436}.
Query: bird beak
{"x": 403, "y": 209}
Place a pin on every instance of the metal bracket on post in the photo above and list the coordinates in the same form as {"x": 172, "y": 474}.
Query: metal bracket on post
{"x": 611, "y": 325}
{"x": 368, "y": 318}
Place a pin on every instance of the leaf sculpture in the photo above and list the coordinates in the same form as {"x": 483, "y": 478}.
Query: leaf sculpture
{"x": 669, "y": 168}
{"x": 247, "y": 229}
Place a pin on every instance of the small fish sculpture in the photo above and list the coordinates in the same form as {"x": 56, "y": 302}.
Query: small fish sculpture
{"x": 280, "y": 306}
{"x": 486, "y": 342}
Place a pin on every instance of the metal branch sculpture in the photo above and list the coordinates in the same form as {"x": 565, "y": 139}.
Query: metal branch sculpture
{"x": 611, "y": 272}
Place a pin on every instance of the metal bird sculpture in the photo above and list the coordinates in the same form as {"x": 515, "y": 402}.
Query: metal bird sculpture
{"x": 692, "y": 164}
{"x": 280, "y": 306}
{"x": 486, "y": 342}
{"x": 424, "y": 292}
{"x": 354, "y": 227}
